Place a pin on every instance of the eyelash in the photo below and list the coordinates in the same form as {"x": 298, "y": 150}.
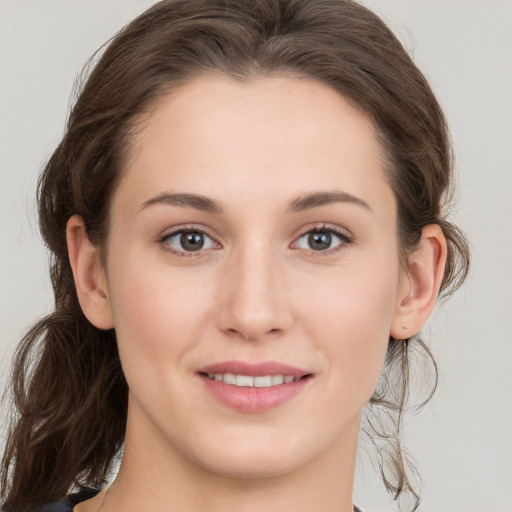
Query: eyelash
{"x": 184, "y": 254}
{"x": 344, "y": 237}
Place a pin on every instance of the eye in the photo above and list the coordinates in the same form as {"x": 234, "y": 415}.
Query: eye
{"x": 188, "y": 241}
{"x": 322, "y": 239}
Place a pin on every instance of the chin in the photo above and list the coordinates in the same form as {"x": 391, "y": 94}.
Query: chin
{"x": 260, "y": 467}
{"x": 261, "y": 452}
{"x": 246, "y": 452}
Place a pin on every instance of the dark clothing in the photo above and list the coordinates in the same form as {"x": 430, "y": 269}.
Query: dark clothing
{"x": 71, "y": 500}
{"x": 67, "y": 504}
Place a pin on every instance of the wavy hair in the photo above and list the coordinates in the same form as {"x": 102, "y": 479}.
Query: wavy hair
{"x": 68, "y": 387}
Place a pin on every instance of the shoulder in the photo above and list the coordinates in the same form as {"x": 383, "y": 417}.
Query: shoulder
{"x": 66, "y": 504}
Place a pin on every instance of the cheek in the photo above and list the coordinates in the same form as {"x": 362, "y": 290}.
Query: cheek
{"x": 350, "y": 319}
{"x": 158, "y": 318}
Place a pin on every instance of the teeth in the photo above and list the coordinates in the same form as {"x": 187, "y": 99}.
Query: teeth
{"x": 229, "y": 378}
{"x": 277, "y": 379}
{"x": 261, "y": 381}
{"x": 244, "y": 381}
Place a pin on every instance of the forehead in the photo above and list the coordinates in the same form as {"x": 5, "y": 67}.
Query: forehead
{"x": 273, "y": 136}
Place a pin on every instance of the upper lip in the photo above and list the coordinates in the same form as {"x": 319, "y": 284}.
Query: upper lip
{"x": 254, "y": 369}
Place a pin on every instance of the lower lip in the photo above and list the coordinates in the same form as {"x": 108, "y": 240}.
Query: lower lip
{"x": 254, "y": 400}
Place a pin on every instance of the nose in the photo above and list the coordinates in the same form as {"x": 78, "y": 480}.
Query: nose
{"x": 254, "y": 302}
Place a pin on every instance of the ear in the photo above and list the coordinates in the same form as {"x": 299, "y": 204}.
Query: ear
{"x": 89, "y": 274}
{"x": 419, "y": 291}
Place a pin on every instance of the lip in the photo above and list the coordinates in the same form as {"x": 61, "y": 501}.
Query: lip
{"x": 251, "y": 399}
{"x": 254, "y": 369}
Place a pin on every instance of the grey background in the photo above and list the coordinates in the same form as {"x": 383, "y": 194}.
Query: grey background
{"x": 462, "y": 441}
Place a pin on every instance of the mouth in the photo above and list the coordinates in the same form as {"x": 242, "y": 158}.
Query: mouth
{"x": 254, "y": 388}
{"x": 250, "y": 381}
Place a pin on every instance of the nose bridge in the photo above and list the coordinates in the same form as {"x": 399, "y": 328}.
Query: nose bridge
{"x": 254, "y": 303}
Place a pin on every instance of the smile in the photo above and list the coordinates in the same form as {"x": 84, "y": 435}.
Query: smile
{"x": 254, "y": 387}
{"x": 249, "y": 381}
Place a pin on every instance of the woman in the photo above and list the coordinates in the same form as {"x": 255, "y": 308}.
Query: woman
{"x": 245, "y": 219}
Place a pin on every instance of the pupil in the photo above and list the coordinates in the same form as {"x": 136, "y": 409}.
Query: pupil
{"x": 192, "y": 241}
{"x": 319, "y": 240}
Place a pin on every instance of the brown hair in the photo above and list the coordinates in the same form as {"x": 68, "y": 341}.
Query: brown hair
{"x": 68, "y": 386}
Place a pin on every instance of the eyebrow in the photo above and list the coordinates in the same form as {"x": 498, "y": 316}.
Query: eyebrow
{"x": 198, "y": 202}
{"x": 302, "y": 203}
{"x": 317, "y": 199}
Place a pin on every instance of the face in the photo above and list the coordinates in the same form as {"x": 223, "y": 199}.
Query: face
{"x": 253, "y": 274}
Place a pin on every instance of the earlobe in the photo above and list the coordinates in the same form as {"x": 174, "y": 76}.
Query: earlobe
{"x": 89, "y": 274}
{"x": 424, "y": 276}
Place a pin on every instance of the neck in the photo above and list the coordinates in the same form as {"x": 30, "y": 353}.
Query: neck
{"x": 154, "y": 475}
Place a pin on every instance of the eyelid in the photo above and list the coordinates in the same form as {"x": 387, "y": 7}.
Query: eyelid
{"x": 343, "y": 234}
{"x": 161, "y": 240}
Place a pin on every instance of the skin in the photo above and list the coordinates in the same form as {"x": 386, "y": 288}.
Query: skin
{"x": 256, "y": 292}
